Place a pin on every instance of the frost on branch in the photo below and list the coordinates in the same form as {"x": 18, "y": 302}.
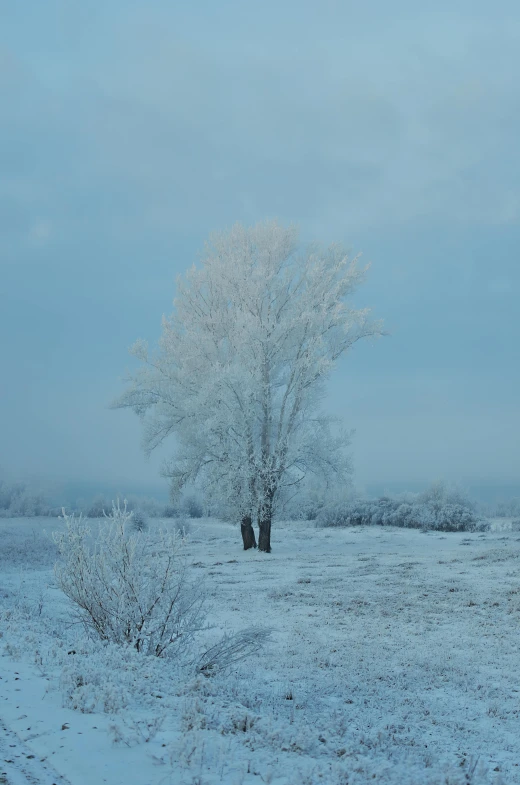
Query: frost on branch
{"x": 129, "y": 587}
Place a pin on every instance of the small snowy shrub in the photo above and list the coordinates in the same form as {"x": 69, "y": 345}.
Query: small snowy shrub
{"x": 305, "y": 508}
{"x": 232, "y": 648}
{"x": 128, "y": 587}
{"x": 149, "y": 506}
{"x": 97, "y": 507}
{"x": 182, "y": 526}
{"x": 139, "y": 521}
{"x": 192, "y": 507}
{"x": 133, "y": 732}
{"x": 338, "y": 514}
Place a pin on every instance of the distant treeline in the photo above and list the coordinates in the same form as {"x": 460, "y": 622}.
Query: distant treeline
{"x": 19, "y": 499}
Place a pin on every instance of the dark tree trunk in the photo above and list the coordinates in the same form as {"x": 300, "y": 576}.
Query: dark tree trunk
{"x": 264, "y": 534}
{"x": 248, "y": 533}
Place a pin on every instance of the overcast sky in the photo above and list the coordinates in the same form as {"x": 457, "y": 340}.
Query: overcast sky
{"x": 130, "y": 130}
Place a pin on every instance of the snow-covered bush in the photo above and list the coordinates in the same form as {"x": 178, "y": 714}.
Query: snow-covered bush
{"x": 128, "y": 587}
{"x": 192, "y": 507}
{"x": 182, "y": 525}
{"x": 305, "y": 506}
{"x": 98, "y": 506}
{"x": 232, "y": 648}
{"x": 147, "y": 505}
{"x": 438, "y": 495}
{"x": 436, "y": 508}
{"x": 139, "y": 520}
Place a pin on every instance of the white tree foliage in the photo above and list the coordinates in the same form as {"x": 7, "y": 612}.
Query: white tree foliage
{"x": 240, "y": 365}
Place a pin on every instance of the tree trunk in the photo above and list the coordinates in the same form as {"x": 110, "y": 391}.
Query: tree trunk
{"x": 248, "y": 533}
{"x": 264, "y": 535}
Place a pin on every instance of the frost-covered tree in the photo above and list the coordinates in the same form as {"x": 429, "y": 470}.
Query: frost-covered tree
{"x": 239, "y": 371}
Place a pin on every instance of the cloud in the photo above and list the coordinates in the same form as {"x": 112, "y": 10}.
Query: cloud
{"x": 40, "y": 232}
{"x": 416, "y": 118}
{"x": 389, "y": 118}
{"x": 501, "y": 285}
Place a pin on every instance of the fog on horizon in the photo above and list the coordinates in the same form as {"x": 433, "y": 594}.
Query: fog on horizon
{"x": 131, "y": 131}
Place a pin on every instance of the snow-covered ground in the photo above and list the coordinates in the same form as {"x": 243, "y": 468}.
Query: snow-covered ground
{"x": 394, "y": 658}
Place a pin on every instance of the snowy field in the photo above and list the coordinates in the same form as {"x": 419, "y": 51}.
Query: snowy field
{"x": 394, "y": 658}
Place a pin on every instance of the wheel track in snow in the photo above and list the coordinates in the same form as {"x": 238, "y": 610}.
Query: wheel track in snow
{"x": 19, "y": 765}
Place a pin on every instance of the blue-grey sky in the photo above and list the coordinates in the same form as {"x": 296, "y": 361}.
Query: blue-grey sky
{"x": 130, "y": 130}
